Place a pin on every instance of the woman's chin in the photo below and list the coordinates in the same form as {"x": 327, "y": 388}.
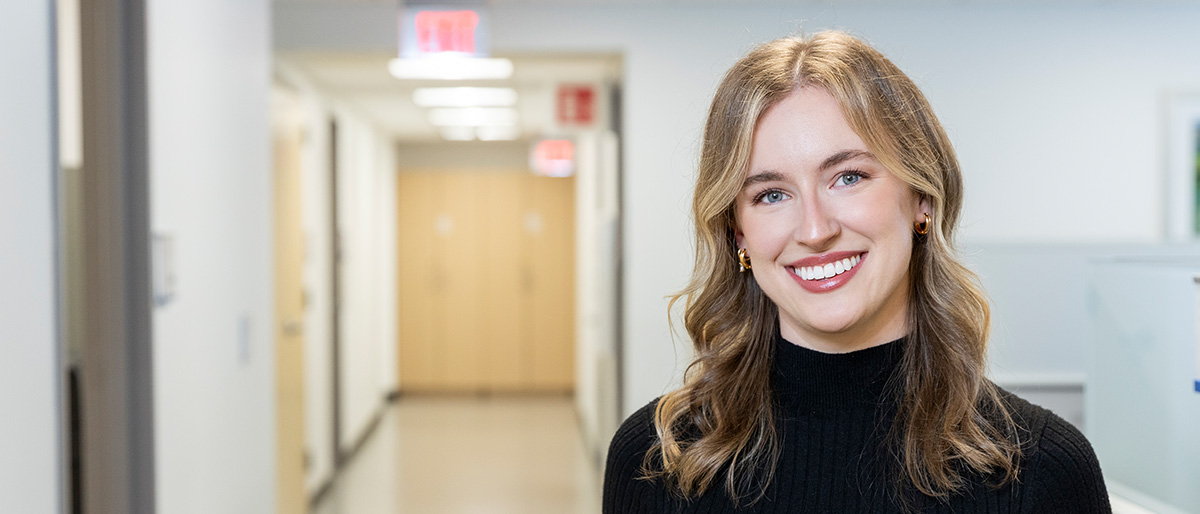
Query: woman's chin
{"x": 826, "y": 329}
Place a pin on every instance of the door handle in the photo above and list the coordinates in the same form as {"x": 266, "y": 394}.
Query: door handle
{"x": 293, "y": 327}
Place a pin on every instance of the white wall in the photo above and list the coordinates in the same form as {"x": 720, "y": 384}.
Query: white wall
{"x": 596, "y": 218}
{"x": 384, "y": 282}
{"x": 367, "y": 217}
{"x": 70, "y": 95}
{"x": 366, "y": 163}
{"x": 30, "y": 481}
{"x": 1055, "y": 113}
{"x": 210, "y": 169}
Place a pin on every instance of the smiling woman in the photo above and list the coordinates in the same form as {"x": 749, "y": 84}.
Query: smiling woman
{"x": 840, "y": 344}
{"x": 818, "y": 210}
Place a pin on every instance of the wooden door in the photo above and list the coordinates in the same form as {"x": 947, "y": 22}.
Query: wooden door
{"x": 550, "y": 232}
{"x": 463, "y": 263}
{"x": 289, "y": 305}
{"x": 504, "y": 293}
{"x": 486, "y": 282}
{"x": 420, "y": 301}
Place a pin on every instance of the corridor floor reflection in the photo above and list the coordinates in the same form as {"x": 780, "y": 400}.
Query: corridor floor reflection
{"x": 471, "y": 455}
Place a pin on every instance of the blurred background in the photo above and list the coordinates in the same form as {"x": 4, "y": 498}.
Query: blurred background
{"x": 353, "y": 256}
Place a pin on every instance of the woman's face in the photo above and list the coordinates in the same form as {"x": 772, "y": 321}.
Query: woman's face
{"x": 827, "y": 228}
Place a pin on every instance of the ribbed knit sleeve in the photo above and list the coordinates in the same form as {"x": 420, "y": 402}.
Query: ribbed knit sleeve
{"x": 625, "y": 491}
{"x": 1065, "y": 477}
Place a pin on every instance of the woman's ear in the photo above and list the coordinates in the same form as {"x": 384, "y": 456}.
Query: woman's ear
{"x": 923, "y": 208}
{"x": 739, "y": 239}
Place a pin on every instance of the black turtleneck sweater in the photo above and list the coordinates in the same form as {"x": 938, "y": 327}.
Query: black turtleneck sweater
{"x": 833, "y": 412}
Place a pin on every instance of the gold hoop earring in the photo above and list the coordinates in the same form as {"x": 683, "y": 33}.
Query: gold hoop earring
{"x": 923, "y": 227}
{"x": 743, "y": 260}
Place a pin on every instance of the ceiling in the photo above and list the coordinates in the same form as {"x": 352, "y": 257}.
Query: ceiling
{"x": 361, "y": 82}
{"x": 848, "y": 3}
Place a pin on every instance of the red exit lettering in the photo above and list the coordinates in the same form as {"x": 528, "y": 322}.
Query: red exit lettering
{"x": 446, "y": 31}
{"x": 554, "y": 158}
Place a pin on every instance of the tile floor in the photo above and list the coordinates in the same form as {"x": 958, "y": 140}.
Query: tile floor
{"x": 469, "y": 455}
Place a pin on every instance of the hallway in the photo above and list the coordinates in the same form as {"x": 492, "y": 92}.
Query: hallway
{"x": 470, "y": 455}
{"x": 171, "y": 348}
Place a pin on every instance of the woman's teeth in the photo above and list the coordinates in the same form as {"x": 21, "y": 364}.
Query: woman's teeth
{"x": 828, "y": 270}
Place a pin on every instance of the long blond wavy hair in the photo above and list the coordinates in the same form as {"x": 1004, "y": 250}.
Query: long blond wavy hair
{"x": 950, "y": 419}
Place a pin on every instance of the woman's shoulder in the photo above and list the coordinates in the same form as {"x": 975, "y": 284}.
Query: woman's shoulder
{"x": 1040, "y": 429}
{"x": 626, "y": 488}
{"x": 1060, "y": 469}
{"x": 633, "y": 439}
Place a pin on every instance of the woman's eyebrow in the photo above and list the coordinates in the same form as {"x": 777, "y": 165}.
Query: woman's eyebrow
{"x": 844, "y": 156}
{"x": 763, "y": 176}
{"x": 831, "y": 161}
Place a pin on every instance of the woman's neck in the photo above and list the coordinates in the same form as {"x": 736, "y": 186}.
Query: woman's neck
{"x": 807, "y": 379}
{"x": 846, "y": 341}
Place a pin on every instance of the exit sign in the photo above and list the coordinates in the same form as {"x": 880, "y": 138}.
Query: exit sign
{"x": 446, "y": 31}
{"x": 553, "y": 158}
{"x": 443, "y": 31}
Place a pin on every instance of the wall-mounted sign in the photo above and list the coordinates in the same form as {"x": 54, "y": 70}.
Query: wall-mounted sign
{"x": 575, "y": 104}
{"x": 1196, "y": 382}
{"x": 430, "y": 31}
{"x": 553, "y": 158}
{"x": 446, "y": 31}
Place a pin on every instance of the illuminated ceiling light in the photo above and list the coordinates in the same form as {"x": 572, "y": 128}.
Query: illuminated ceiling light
{"x": 458, "y": 133}
{"x": 451, "y": 67}
{"x": 464, "y": 96}
{"x": 473, "y": 116}
{"x": 499, "y": 133}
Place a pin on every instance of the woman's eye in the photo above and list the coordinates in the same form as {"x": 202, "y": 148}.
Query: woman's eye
{"x": 849, "y": 178}
{"x": 772, "y": 196}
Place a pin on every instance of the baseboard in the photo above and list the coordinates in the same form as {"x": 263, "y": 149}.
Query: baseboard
{"x": 590, "y": 444}
{"x": 356, "y": 447}
{"x": 372, "y": 426}
{"x": 322, "y": 491}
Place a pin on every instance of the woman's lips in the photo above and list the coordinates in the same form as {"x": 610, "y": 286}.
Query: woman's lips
{"x": 822, "y": 273}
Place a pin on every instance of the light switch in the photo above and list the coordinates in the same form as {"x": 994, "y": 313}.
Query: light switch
{"x": 243, "y": 338}
{"x": 162, "y": 255}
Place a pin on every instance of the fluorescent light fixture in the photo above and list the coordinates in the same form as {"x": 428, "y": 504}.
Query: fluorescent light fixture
{"x": 451, "y": 67}
{"x": 499, "y": 133}
{"x": 472, "y": 116}
{"x": 458, "y": 133}
{"x": 464, "y": 97}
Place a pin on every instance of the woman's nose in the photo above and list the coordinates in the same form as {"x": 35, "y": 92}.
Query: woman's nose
{"x": 818, "y": 228}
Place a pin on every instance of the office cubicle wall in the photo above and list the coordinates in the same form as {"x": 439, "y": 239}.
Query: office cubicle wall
{"x": 1141, "y": 403}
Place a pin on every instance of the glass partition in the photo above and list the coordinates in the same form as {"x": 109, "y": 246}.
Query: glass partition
{"x": 1142, "y": 407}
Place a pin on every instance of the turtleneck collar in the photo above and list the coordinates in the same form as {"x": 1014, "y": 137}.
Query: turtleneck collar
{"x": 805, "y": 379}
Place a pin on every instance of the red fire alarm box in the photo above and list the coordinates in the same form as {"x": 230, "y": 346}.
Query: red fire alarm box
{"x": 576, "y": 104}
